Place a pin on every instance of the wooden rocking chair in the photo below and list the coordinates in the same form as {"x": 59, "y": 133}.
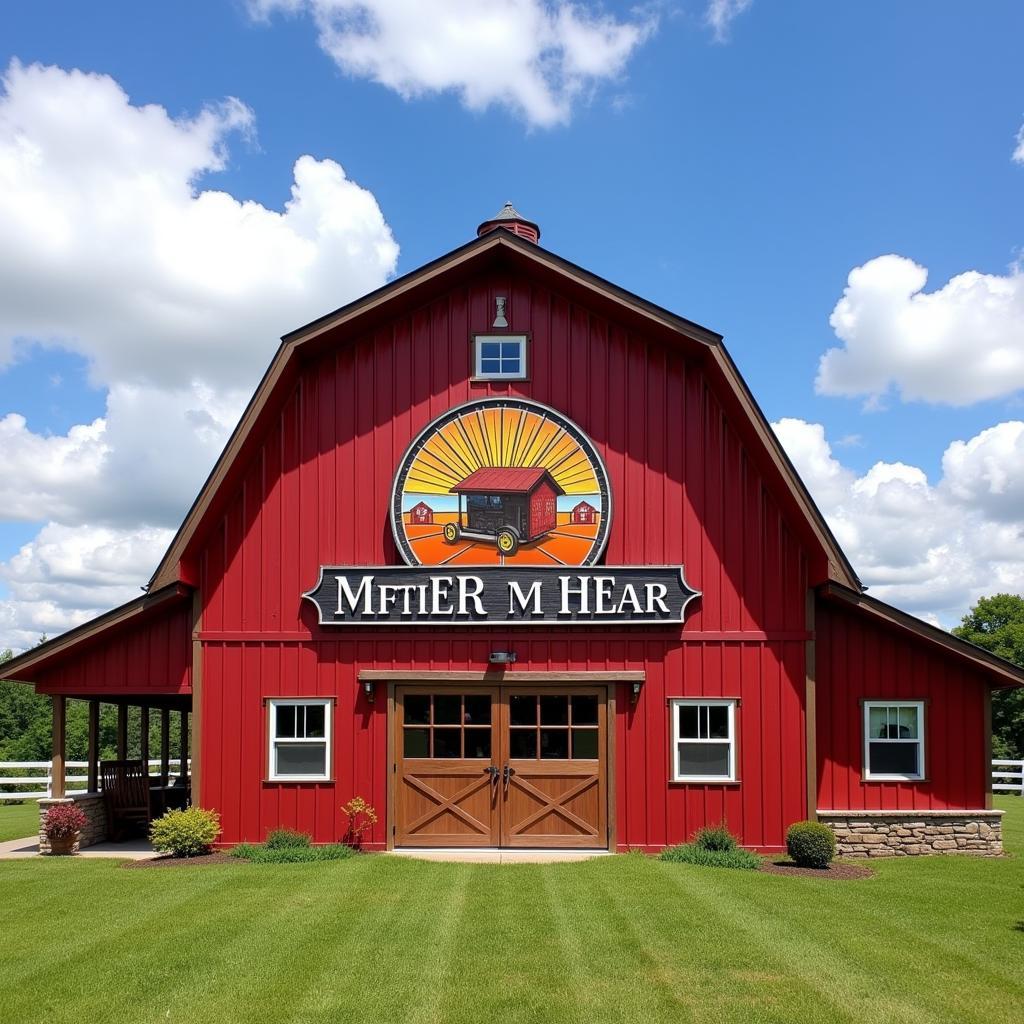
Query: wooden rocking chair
{"x": 126, "y": 794}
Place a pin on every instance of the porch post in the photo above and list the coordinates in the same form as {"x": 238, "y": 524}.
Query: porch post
{"x": 144, "y": 739}
{"x": 165, "y": 746}
{"x": 93, "y": 757}
{"x": 57, "y": 765}
{"x": 183, "y": 753}
{"x": 122, "y": 731}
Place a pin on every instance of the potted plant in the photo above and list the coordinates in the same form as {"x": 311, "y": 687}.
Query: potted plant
{"x": 63, "y": 824}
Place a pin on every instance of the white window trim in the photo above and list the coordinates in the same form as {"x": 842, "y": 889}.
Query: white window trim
{"x": 477, "y": 358}
{"x": 871, "y": 776}
{"x": 679, "y": 702}
{"x": 325, "y": 741}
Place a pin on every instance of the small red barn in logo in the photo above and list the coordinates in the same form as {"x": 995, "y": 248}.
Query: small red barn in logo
{"x": 583, "y": 514}
{"x": 421, "y": 514}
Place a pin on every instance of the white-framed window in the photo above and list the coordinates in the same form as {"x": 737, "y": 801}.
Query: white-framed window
{"x": 893, "y": 740}
{"x": 499, "y": 356}
{"x": 703, "y": 740}
{"x": 300, "y": 739}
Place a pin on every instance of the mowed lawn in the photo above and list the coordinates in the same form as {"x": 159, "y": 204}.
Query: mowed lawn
{"x": 18, "y": 821}
{"x": 619, "y": 939}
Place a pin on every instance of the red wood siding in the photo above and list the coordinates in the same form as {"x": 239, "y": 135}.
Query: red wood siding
{"x": 857, "y": 660}
{"x": 154, "y": 656}
{"x": 543, "y": 516}
{"x": 685, "y": 490}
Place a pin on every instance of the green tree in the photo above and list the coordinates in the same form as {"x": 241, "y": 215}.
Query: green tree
{"x": 997, "y": 624}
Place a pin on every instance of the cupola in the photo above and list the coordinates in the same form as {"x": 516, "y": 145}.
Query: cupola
{"x": 510, "y": 219}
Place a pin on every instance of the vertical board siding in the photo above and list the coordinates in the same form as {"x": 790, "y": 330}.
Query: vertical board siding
{"x": 859, "y": 660}
{"x": 684, "y": 489}
{"x": 152, "y": 657}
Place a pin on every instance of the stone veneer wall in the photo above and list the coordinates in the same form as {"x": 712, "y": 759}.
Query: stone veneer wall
{"x": 910, "y": 833}
{"x": 94, "y": 808}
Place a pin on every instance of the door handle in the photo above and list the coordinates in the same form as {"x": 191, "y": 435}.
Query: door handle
{"x": 493, "y": 772}
{"x": 506, "y": 773}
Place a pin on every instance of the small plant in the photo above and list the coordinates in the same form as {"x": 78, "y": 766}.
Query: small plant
{"x": 188, "y": 833}
{"x": 692, "y": 853}
{"x": 716, "y": 838}
{"x": 361, "y": 818}
{"x": 287, "y": 839}
{"x": 291, "y": 854}
{"x": 64, "y": 821}
{"x": 811, "y": 844}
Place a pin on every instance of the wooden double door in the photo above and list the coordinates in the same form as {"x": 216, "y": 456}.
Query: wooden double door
{"x": 495, "y": 766}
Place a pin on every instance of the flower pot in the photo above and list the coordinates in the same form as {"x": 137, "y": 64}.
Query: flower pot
{"x": 65, "y": 846}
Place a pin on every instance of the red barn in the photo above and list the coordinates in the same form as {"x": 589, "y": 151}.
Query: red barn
{"x": 738, "y": 671}
{"x": 583, "y": 514}
{"x": 421, "y": 514}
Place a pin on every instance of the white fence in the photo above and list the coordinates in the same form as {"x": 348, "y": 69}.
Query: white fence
{"x": 45, "y": 781}
{"x": 1012, "y": 774}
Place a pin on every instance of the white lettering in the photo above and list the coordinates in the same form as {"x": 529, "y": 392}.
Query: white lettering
{"x": 604, "y": 586}
{"x": 567, "y": 591}
{"x": 656, "y": 596}
{"x": 439, "y": 592}
{"x": 516, "y": 596}
{"x": 362, "y": 594}
{"x": 465, "y": 594}
{"x": 629, "y": 597}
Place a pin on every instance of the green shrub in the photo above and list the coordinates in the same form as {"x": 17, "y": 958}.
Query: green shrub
{"x": 286, "y": 839}
{"x": 188, "y": 833}
{"x": 717, "y": 838}
{"x": 291, "y": 854}
{"x": 691, "y": 853}
{"x": 811, "y": 844}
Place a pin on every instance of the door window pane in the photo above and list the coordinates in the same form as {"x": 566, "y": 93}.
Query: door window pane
{"x": 554, "y": 710}
{"x": 447, "y": 708}
{"x": 584, "y": 744}
{"x": 554, "y": 744}
{"x": 704, "y": 759}
{"x": 522, "y": 743}
{"x": 447, "y": 742}
{"x": 478, "y": 742}
{"x": 584, "y": 710}
{"x": 478, "y": 709}
{"x": 417, "y": 709}
{"x": 416, "y": 743}
{"x": 522, "y": 710}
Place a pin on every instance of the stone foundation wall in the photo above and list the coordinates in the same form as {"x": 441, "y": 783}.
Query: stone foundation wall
{"x": 912, "y": 833}
{"x": 94, "y": 808}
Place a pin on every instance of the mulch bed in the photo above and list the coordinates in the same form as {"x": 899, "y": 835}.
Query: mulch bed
{"x": 836, "y": 871}
{"x": 185, "y": 862}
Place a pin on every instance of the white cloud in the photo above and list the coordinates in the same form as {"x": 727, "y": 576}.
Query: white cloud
{"x": 961, "y": 344}
{"x": 933, "y": 549}
{"x": 176, "y": 297}
{"x": 720, "y": 15}
{"x": 536, "y": 57}
{"x": 1018, "y": 153}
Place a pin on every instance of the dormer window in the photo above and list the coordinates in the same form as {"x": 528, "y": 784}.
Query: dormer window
{"x": 499, "y": 356}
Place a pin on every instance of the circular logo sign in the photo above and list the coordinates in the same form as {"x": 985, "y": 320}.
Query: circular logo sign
{"x": 501, "y": 481}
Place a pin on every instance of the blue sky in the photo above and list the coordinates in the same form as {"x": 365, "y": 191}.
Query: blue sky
{"x": 736, "y": 180}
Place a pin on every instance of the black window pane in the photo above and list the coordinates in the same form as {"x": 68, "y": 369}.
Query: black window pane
{"x": 446, "y": 743}
{"x": 315, "y": 719}
{"x": 301, "y": 759}
{"x": 522, "y": 743}
{"x": 416, "y": 743}
{"x": 704, "y": 759}
{"x": 718, "y": 722}
{"x": 894, "y": 758}
{"x": 688, "y": 718}
{"x": 584, "y": 744}
{"x": 554, "y": 744}
{"x": 584, "y": 710}
{"x": 554, "y": 710}
{"x": 478, "y": 742}
{"x": 286, "y": 720}
{"x": 417, "y": 709}
{"x": 447, "y": 709}
{"x": 523, "y": 710}
{"x": 478, "y": 709}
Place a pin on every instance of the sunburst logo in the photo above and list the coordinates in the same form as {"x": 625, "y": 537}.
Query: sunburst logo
{"x": 501, "y": 481}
